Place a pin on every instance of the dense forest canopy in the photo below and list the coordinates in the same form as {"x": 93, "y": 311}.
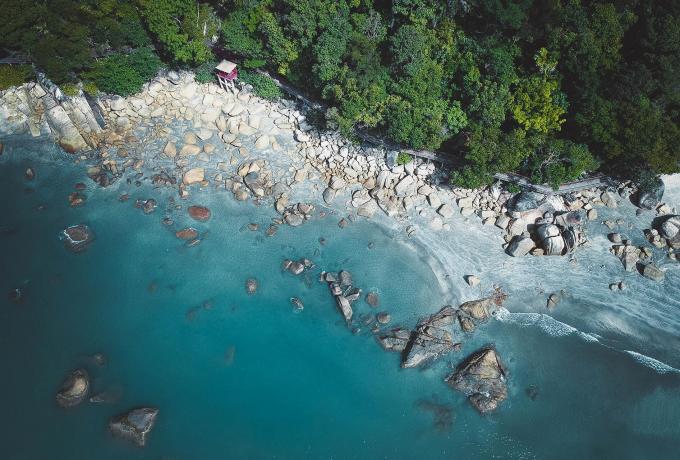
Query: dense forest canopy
{"x": 551, "y": 88}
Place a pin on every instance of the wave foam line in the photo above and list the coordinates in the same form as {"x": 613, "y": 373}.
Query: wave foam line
{"x": 546, "y": 323}
{"x": 658, "y": 366}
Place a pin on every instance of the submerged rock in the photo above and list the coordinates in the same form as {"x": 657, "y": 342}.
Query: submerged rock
{"x": 481, "y": 376}
{"x": 135, "y": 425}
{"x": 77, "y": 238}
{"x": 652, "y": 272}
{"x": 199, "y": 213}
{"x": 251, "y": 286}
{"x": 297, "y": 304}
{"x": 430, "y": 339}
{"x": 372, "y": 299}
{"x": 74, "y": 389}
{"x": 187, "y": 234}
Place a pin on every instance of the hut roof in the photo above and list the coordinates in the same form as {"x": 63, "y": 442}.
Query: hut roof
{"x": 226, "y": 66}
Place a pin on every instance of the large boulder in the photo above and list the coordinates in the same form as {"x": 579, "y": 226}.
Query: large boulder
{"x": 482, "y": 378}
{"x": 650, "y": 193}
{"x": 431, "y": 339}
{"x": 77, "y": 238}
{"x": 520, "y": 246}
{"x": 194, "y": 175}
{"x": 482, "y": 309}
{"x": 74, "y": 389}
{"x": 395, "y": 339}
{"x": 135, "y": 425}
{"x": 526, "y": 201}
{"x": 551, "y": 239}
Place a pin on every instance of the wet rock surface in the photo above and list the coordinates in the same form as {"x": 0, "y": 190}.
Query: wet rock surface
{"x": 135, "y": 425}
{"x": 74, "y": 389}
{"x": 481, "y": 377}
{"x": 431, "y": 338}
{"x": 77, "y": 238}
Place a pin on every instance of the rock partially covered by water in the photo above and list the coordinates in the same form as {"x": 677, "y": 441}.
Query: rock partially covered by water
{"x": 395, "y": 339}
{"x": 430, "y": 339}
{"x": 135, "y": 425}
{"x": 251, "y": 286}
{"x": 481, "y": 376}
{"x": 652, "y": 272}
{"x": 77, "y": 238}
{"x": 187, "y": 234}
{"x": 482, "y": 309}
{"x": 199, "y": 213}
{"x": 74, "y": 389}
{"x": 649, "y": 193}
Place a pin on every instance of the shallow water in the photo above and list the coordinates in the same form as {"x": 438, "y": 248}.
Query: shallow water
{"x": 238, "y": 376}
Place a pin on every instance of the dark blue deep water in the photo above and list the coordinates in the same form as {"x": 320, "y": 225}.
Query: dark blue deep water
{"x": 246, "y": 377}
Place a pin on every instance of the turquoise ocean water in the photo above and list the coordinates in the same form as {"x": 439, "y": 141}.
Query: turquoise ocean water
{"x": 246, "y": 377}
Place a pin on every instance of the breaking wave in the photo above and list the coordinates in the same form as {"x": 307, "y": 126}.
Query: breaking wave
{"x": 658, "y": 366}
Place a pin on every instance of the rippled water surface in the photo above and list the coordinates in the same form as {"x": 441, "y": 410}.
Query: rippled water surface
{"x": 238, "y": 376}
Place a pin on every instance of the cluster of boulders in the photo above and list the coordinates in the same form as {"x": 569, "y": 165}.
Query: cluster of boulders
{"x": 133, "y": 425}
{"x": 40, "y": 108}
{"x": 343, "y": 291}
{"x": 481, "y": 375}
{"x": 376, "y": 182}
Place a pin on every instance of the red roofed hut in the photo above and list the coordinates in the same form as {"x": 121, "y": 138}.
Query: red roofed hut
{"x": 226, "y": 74}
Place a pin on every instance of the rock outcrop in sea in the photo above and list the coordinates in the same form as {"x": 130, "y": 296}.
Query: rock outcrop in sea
{"x": 74, "y": 389}
{"x": 482, "y": 378}
{"x": 134, "y": 425}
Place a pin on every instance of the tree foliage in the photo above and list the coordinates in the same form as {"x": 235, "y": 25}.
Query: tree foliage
{"x": 548, "y": 88}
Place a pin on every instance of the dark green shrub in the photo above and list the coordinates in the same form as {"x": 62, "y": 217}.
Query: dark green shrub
{"x": 403, "y": 158}
{"x": 263, "y": 86}
{"x": 124, "y": 74}
{"x": 205, "y": 73}
{"x": 14, "y": 75}
{"x": 70, "y": 89}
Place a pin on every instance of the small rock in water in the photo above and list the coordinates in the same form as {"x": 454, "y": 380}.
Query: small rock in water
{"x": 251, "y": 286}
{"x": 343, "y": 223}
{"x": 472, "y": 280}
{"x": 199, "y": 213}
{"x": 188, "y": 233}
{"x": 99, "y": 359}
{"x": 553, "y": 300}
{"x": 271, "y": 230}
{"x": 253, "y": 227}
{"x": 135, "y": 425}
{"x": 149, "y": 206}
{"x": 29, "y": 174}
{"x": 77, "y": 238}
{"x": 297, "y": 303}
{"x": 74, "y": 389}
{"x": 532, "y": 392}
{"x": 384, "y": 318}
{"x": 76, "y": 199}
{"x": 15, "y": 295}
{"x": 372, "y": 299}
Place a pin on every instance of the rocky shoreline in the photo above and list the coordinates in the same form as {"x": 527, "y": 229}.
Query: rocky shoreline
{"x": 191, "y": 138}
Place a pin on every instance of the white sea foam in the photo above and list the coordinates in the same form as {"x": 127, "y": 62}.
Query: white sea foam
{"x": 661, "y": 368}
{"x": 546, "y": 323}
